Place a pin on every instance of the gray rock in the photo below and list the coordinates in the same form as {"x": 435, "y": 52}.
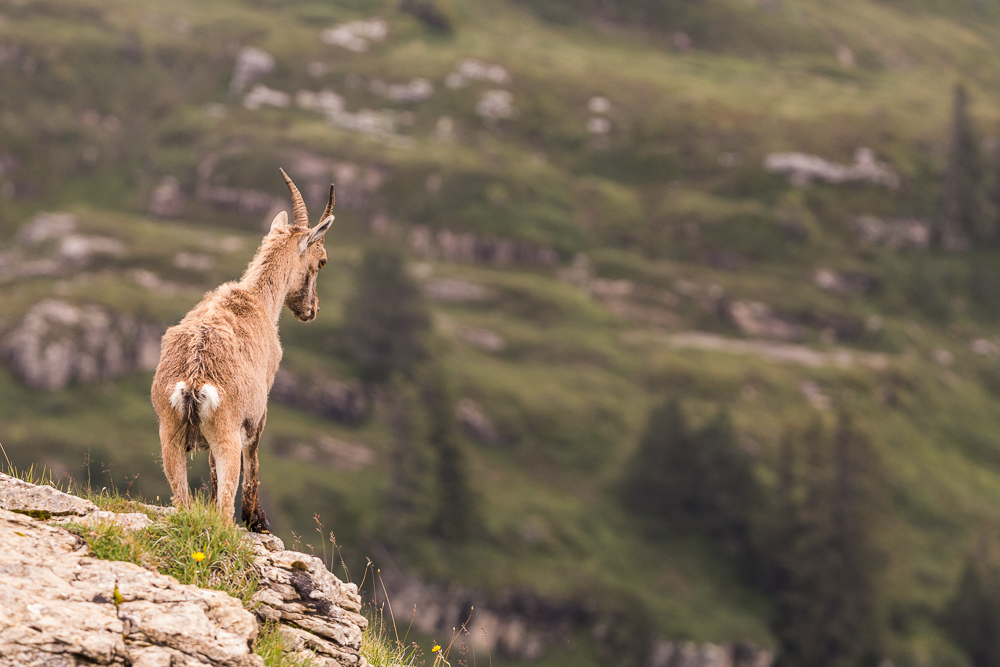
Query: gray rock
{"x": 57, "y": 608}
{"x": 320, "y": 614}
{"x": 42, "y": 501}
{"x": 689, "y": 654}
{"x": 167, "y": 199}
{"x": 328, "y": 452}
{"x": 127, "y": 520}
{"x": 58, "y": 343}
{"x": 469, "y": 248}
{"x": 455, "y": 290}
{"x": 757, "y": 319}
{"x": 344, "y": 402}
{"x": 476, "y": 424}
{"x": 251, "y": 64}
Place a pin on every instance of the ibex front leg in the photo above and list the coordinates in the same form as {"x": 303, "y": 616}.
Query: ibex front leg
{"x": 252, "y": 513}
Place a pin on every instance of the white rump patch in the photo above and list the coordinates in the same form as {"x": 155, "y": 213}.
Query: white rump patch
{"x": 209, "y": 400}
{"x": 177, "y": 398}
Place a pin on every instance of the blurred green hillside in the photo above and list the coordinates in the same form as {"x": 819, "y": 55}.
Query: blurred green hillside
{"x": 580, "y": 188}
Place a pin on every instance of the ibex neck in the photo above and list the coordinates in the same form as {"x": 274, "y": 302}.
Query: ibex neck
{"x": 268, "y": 277}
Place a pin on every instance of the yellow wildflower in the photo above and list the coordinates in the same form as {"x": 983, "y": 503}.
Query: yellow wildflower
{"x": 198, "y": 556}
{"x": 437, "y": 647}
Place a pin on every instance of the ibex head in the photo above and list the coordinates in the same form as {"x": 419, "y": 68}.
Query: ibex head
{"x": 302, "y": 299}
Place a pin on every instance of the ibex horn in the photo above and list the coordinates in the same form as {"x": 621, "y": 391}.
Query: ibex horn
{"x": 329, "y": 205}
{"x": 300, "y": 217}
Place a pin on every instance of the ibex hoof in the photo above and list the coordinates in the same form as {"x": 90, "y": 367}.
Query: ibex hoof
{"x": 258, "y": 523}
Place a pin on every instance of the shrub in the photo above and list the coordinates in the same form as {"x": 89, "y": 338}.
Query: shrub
{"x": 429, "y": 14}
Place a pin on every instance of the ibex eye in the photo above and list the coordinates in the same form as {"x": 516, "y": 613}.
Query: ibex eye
{"x": 322, "y": 263}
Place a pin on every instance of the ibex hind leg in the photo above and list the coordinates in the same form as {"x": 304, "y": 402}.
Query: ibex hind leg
{"x": 174, "y": 463}
{"x": 252, "y": 513}
{"x": 213, "y": 478}
{"x": 224, "y": 453}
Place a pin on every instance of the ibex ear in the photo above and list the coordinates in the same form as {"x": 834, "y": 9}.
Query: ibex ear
{"x": 315, "y": 234}
{"x": 280, "y": 220}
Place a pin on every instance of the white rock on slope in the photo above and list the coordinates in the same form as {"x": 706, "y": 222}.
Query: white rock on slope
{"x": 20, "y": 496}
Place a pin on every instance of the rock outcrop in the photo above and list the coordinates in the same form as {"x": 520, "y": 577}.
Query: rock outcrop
{"x": 51, "y": 245}
{"x": 803, "y": 169}
{"x": 321, "y": 615}
{"x": 59, "y": 342}
{"x": 757, "y": 319}
{"x": 41, "y": 502}
{"x": 521, "y": 626}
{"x": 471, "y": 249}
{"x": 345, "y": 402}
{"x": 59, "y": 606}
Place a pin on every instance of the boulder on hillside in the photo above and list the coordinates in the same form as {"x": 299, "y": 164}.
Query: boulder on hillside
{"x": 758, "y": 319}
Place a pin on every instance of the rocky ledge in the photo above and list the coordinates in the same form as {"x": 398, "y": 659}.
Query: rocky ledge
{"x": 59, "y": 606}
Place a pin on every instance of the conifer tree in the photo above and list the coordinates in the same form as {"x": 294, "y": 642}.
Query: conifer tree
{"x": 387, "y": 320}
{"x": 702, "y": 479}
{"x": 660, "y": 481}
{"x": 729, "y": 488}
{"x": 973, "y": 616}
{"x": 455, "y": 514}
{"x": 411, "y": 474}
{"x": 387, "y": 330}
{"x": 822, "y": 561}
{"x": 964, "y": 202}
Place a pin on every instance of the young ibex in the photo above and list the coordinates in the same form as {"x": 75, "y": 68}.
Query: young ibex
{"x": 217, "y": 366}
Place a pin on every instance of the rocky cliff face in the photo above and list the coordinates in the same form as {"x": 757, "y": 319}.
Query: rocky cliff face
{"x": 58, "y": 343}
{"x": 60, "y": 606}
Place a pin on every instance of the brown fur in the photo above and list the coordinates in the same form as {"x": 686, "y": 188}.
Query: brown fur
{"x": 230, "y": 341}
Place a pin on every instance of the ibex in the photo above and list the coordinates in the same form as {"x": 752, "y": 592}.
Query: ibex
{"x": 217, "y": 366}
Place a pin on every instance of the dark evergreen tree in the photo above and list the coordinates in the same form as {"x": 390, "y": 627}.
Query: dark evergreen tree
{"x": 387, "y": 320}
{"x": 455, "y": 515}
{"x": 994, "y": 191}
{"x": 729, "y": 490}
{"x": 387, "y": 330}
{"x": 973, "y": 617}
{"x": 661, "y": 477}
{"x": 411, "y": 474}
{"x": 701, "y": 479}
{"x": 822, "y": 563}
{"x": 964, "y": 206}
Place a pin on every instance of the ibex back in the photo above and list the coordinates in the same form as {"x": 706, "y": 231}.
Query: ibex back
{"x": 217, "y": 366}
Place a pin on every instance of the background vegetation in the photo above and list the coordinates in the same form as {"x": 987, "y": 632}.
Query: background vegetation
{"x": 862, "y": 456}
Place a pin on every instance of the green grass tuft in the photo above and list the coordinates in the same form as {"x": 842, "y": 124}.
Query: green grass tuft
{"x": 382, "y": 647}
{"x": 172, "y": 545}
{"x": 273, "y": 648}
{"x": 228, "y": 563}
